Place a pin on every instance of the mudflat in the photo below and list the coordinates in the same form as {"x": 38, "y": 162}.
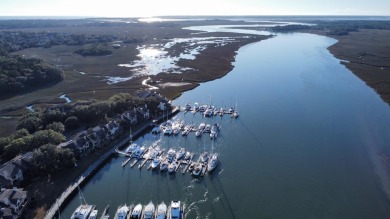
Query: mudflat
{"x": 99, "y": 77}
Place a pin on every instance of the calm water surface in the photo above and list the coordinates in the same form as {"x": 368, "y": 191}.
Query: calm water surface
{"x": 305, "y": 145}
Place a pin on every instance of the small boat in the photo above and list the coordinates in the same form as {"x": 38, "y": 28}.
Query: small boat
{"x": 222, "y": 111}
{"x": 213, "y": 163}
{"x": 167, "y": 130}
{"x": 235, "y": 114}
{"x": 207, "y": 128}
{"x": 93, "y": 214}
{"x": 187, "y": 156}
{"x": 208, "y": 113}
{"x": 187, "y": 107}
{"x": 131, "y": 147}
{"x": 214, "y": 131}
{"x": 171, "y": 155}
{"x": 180, "y": 153}
{"x": 172, "y": 167}
{"x": 195, "y": 108}
{"x": 161, "y": 211}
{"x": 191, "y": 167}
{"x": 84, "y": 210}
{"x": 203, "y": 108}
{"x": 231, "y": 110}
{"x": 164, "y": 166}
{"x": 149, "y": 211}
{"x": 156, "y": 162}
{"x": 137, "y": 212}
{"x": 122, "y": 212}
{"x": 176, "y": 131}
{"x": 197, "y": 170}
{"x": 138, "y": 152}
{"x": 204, "y": 157}
{"x": 175, "y": 210}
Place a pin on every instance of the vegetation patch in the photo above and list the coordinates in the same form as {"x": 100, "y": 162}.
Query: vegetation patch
{"x": 94, "y": 50}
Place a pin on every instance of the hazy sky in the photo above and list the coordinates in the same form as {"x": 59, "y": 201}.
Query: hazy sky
{"x": 144, "y": 8}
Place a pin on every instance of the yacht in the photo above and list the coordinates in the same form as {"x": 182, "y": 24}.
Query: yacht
{"x": 82, "y": 212}
{"x": 156, "y": 162}
{"x": 149, "y": 211}
{"x": 231, "y": 110}
{"x": 138, "y": 152}
{"x": 180, "y": 153}
{"x": 213, "y": 163}
{"x": 122, "y": 212}
{"x": 164, "y": 166}
{"x": 171, "y": 155}
{"x": 207, "y": 128}
{"x": 187, "y": 156}
{"x": 221, "y": 111}
{"x": 161, "y": 211}
{"x": 175, "y": 210}
{"x": 187, "y": 107}
{"x": 93, "y": 214}
{"x": 208, "y": 113}
{"x": 131, "y": 147}
{"x": 167, "y": 130}
{"x": 235, "y": 114}
{"x": 172, "y": 167}
{"x": 202, "y": 108}
{"x": 195, "y": 108}
{"x": 137, "y": 212}
{"x": 197, "y": 170}
{"x": 204, "y": 157}
{"x": 214, "y": 131}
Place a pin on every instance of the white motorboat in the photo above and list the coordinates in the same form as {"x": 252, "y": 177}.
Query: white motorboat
{"x": 213, "y": 163}
{"x": 197, "y": 170}
{"x": 235, "y": 114}
{"x": 204, "y": 157}
{"x": 167, "y": 130}
{"x": 171, "y": 155}
{"x": 187, "y": 107}
{"x": 138, "y": 152}
{"x": 231, "y": 110}
{"x": 156, "y": 162}
{"x": 180, "y": 153}
{"x": 131, "y": 147}
{"x": 172, "y": 167}
{"x": 161, "y": 211}
{"x": 164, "y": 166}
{"x": 207, "y": 128}
{"x": 137, "y": 212}
{"x": 187, "y": 156}
{"x": 84, "y": 210}
{"x": 149, "y": 211}
{"x": 214, "y": 131}
{"x": 175, "y": 210}
{"x": 208, "y": 113}
{"x": 93, "y": 214}
{"x": 203, "y": 108}
{"x": 195, "y": 108}
{"x": 122, "y": 212}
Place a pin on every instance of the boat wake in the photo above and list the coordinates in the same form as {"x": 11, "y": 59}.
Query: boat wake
{"x": 193, "y": 208}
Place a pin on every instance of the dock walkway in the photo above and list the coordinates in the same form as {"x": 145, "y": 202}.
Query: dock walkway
{"x": 89, "y": 172}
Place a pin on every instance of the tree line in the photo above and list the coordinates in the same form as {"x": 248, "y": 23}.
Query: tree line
{"x": 18, "y": 74}
{"x": 339, "y": 27}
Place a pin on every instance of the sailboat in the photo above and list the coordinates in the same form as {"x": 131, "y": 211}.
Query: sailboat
{"x": 84, "y": 210}
{"x": 235, "y": 113}
{"x": 213, "y": 161}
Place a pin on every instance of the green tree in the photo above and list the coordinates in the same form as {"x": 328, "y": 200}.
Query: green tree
{"x": 17, "y": 146}
{"x": 30, "y": 121}
{"x": 56, "y": 126}
{"x": 49, "y": 159}
{"x": 43, "y": 137}
{"x": 71, "y": 122}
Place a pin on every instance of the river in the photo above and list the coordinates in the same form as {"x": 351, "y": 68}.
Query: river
{"x": 306, "y": 143}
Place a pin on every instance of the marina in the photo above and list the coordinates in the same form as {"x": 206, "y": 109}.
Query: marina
{"x": 303, "y": 138}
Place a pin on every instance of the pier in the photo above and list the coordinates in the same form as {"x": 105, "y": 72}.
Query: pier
{"x": 89, "y": 172}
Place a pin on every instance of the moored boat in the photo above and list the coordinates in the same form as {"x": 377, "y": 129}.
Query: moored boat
{"x": 175, "y": 210}
{"x": 197, "y": 170}
{"x": 213, "y": 163}
{"x": 156, "y": 162}
{"x": 122, "y": 212}
{"x": 172, "y": 167}
{"x": 137, "y": 212}
{"x": 84, "y": 210}
{"x": 164, "y": 166}
{"x": 93, "y": 214}
{"x": 180, "y": 153}
{"x": 149, "y": 211}
{"x": 161, "y": 211}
